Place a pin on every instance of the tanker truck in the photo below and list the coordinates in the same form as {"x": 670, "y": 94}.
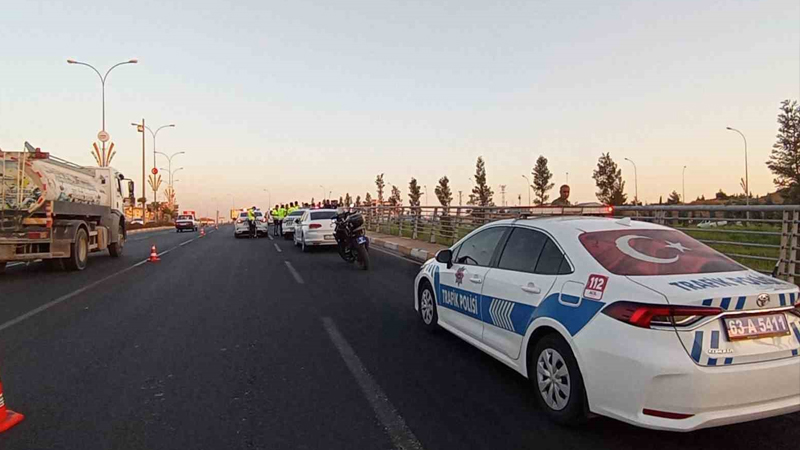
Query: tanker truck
{"x": 57, "y": 211}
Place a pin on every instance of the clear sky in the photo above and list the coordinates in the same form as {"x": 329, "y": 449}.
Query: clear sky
{"x": 288, "y": 96}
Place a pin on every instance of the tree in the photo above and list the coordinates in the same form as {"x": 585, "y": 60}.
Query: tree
{"x": 784, "y": 161}
{"x": 341, "y": 200}
{"x": 358, "y": 200}
{"x": 395, "y": 199}
{"x": 414, "y": 192}
{"x": 721, "y": 195}
{"x": 347, "y": 199}
{"x": 674, "y": 198}
{"x": 541, "y": 181}
{"x": 380, "y": 184}
{"x": 443, "y": 192}
{"x": 481, "y": 193}
{"x": 368, "y": 199}
{"x": 608, "y": 178}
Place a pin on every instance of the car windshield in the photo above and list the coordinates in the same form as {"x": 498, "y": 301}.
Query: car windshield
{"x": 321, "y": 215}
{"x": 654, "y": 252}
{"x": 243, "y": 215}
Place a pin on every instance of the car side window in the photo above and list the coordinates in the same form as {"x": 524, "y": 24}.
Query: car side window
{"x": 552, "y": 261}
{"x": 479, "y": 249}
{"x": 522, "y": 250}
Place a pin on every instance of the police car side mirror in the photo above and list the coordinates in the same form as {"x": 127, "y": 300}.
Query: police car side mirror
{"x": 445, "y": 257}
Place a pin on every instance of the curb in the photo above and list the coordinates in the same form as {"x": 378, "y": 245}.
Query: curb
{"x": 417, "y": 254}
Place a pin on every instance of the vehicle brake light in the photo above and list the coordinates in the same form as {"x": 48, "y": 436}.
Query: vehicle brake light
{"x": 315, "y": 226}
{"x": 645, "y": 315}
{"x": 239, "y": 220}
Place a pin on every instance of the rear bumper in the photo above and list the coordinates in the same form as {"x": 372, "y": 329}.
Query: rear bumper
{"x": 319, "y": 239}
{"x": 653, "y": 371}
{"x": 185, "y": 226}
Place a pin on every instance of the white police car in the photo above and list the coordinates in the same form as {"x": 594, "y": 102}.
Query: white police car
{"x": 621, "y": 318}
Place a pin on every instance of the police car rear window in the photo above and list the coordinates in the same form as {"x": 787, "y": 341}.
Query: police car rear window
{"x": 654, "y": 252}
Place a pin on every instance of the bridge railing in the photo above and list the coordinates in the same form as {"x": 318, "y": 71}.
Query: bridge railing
{"x": 763, "y": 237}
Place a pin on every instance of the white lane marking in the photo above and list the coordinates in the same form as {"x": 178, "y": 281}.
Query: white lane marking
{"x": 167, "y": 251}
{"x": 64, "y": 298}
{"x": 396, "y": 256}
{"x": 184, "y": 243}
{"x": 295, "y": 274}
{"x": 401, "y": 435}
{"x": 270, "y": 237}
{"x": 278, "y": 248}
{"x": 15, "y": 264}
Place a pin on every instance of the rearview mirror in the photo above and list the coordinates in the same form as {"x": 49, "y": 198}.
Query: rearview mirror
{"x": 445, "y": 257}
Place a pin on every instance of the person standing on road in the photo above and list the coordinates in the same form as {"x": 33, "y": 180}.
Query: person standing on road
{"x": 251, "y": 221}
{"x": 281, "y": 213}
{"x": 563, "y": 199}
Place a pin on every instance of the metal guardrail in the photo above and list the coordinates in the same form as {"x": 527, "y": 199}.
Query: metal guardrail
{"x": 763, "y": 237}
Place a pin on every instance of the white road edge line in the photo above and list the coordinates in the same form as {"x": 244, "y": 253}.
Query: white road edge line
{"x": 184, "y": 243}
{"x": 396, "y": 256}
{"x": 278, "y": 248}
{"x": 401, "y": 435}
{"x": 64, "y": 298}
{"x": 295, "y": 274}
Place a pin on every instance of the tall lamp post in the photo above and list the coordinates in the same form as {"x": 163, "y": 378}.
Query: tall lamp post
{"x": 426, "y": 194}
{"x": 683, "y": 184}
{"x": 746, "y": 178}
{"x": 169, "y": 162}
{"x": 528, "y": 183}
{"x": 323, "y": 192}
{"x": 103, "y": 85}
{"x": 635, "y": 181}
{"x": 269, "y": 199}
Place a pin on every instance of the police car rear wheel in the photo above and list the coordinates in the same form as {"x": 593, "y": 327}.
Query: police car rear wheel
{"x": 427, "y": 308}
{"x": 558, "y": 381}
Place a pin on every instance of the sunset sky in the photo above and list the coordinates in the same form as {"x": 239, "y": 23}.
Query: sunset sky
{"x": 288, "y": 96}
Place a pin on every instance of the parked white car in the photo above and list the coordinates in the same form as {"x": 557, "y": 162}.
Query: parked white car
{"x": 620, "y": 318}
{"x": 289, "y": 222}
{"x": 241, "y": 227}
{"x": 315, "y": 228}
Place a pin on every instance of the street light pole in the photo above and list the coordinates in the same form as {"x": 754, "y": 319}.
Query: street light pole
{"x": 269, "y": 201}
{"x": 103, "y": 85}
{"x": 426, "y": 194}
{"x": 746, "y": 178}
{"x": 683, "y": 184}
{"x": 323, "y": 192}
{"x": 528, "y": 183}
{"x": 635, "y": 181}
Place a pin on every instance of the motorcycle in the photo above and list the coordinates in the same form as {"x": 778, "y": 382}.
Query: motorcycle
{"x": 351, "y": 238}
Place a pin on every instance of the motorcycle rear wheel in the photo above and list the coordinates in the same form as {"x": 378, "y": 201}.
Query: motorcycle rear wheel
{"x": 363, "y": 257}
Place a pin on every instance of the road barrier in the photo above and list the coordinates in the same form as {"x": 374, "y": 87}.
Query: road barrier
{"x": 762, "y": 237}
{"x": 8, "y": 418}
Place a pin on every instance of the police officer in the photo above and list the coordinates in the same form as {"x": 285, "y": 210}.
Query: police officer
{"x": 563, "y": 199}
{"x": 251, "y": 221}
{"x": 279, "y": 223}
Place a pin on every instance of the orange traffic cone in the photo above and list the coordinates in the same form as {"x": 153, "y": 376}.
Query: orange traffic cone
{"x": 202, "y": 231}
{"x": 154, "y": 255}
{"x": 8, "y": 418}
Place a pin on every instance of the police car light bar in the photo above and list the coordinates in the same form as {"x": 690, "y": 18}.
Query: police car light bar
{"x": 568, "y": 211}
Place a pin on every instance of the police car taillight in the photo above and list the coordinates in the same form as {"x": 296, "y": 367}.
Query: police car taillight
{"x": 646, "y": 316}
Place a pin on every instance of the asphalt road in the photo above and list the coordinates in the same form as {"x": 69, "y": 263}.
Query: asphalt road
{"x": 232, "y": 343}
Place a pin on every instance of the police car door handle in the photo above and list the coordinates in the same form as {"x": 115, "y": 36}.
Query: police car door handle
{"x": 532, "y": 289}
{"x": 476, "y": 279}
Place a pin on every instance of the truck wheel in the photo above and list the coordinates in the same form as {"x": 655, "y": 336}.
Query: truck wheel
{"x": 79, "y": 251}
{"x": 115, "y": 249}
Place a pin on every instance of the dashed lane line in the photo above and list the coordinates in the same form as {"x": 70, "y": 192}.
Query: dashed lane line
{"x": 294, "y": 273}
{"x": 278, "y": 248}
{"x": 402, "y": 437}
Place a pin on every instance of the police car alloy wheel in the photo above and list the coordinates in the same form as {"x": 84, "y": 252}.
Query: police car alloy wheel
{"x": 558, "y": 382}
{"x": 427, "y": 307}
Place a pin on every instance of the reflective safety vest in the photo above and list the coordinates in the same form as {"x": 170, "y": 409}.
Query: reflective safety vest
{"x": 281, "y": 213}
{"x": 251, "y": 215}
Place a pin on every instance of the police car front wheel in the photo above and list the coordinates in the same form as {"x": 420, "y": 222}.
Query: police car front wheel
{"x": 427, "y": 307}
{"x": 558, "y": 381}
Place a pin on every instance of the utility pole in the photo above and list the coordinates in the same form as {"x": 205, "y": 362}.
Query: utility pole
{"x": 459, "y": 198}
{"x": 503, "y": 193}
{"x": 144, "y": 163}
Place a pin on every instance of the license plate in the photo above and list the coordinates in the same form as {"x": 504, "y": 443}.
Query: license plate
{"x": 361, "y": 240}
{"x": 328, "y": 237}
{"x": 756, "y": 327}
